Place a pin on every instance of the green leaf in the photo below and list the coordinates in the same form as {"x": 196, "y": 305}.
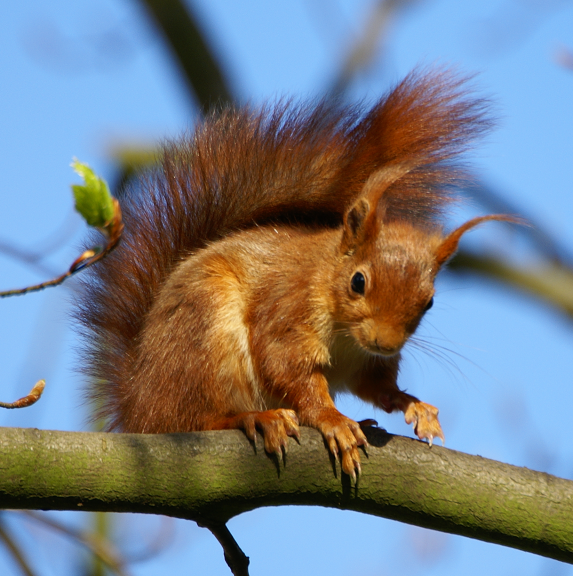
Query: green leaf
{"x": 93, "y": 199}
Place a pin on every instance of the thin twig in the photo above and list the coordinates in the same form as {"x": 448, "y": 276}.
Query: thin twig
{"x": 27, "y": 256}
{"x": 236, "y": 559}
{"x": 54, "y": 241}
{"x": 33, "y": 396}
{"x": 112, "y": 230}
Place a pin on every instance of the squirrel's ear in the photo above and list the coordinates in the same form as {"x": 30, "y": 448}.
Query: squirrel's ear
{"x": 363, "y": 218}
{"x": 357, "y": 223}
{"x": 450, "y": 244}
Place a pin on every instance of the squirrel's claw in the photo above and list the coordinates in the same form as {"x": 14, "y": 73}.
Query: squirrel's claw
{"x": 343, "y": 437}
{"x": 425, "y": 419}
{"x": 275, "y": 425}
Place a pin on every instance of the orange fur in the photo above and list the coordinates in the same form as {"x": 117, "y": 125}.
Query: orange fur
{"x": 276, "y": 257}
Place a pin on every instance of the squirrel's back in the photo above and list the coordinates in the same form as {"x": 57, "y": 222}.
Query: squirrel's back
{"x": 244, "y": 167}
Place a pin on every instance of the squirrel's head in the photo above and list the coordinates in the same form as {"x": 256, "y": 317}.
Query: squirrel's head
{"x": 387, "y": 267}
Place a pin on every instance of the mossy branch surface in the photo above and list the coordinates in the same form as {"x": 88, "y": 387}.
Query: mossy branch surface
{"x": 213, "y": 476}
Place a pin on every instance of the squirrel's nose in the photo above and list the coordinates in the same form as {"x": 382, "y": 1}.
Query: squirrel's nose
{"x": 387, "y": 350}
{"x": 389, "y": 340}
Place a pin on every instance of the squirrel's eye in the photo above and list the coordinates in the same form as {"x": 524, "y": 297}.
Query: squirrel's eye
{"x": 429, "y": 304}
{"x": 358, "y": 283}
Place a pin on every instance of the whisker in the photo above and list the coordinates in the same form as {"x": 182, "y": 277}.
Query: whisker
{"x": 444, "y": 353}
{"x": 463, "y": 345}
{"x": 439, "y": 353}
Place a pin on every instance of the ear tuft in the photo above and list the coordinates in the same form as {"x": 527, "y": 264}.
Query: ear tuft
{"x": 363, "y": 218}
{"x": 450, "y": 244}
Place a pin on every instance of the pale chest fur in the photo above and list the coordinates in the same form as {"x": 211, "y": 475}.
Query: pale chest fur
{"x": 348, "y": 359}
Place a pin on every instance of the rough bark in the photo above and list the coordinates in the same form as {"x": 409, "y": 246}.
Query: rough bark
{"x": 212, "y": 476}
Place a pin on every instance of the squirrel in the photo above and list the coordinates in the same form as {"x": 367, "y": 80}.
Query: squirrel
{"x": 276, "y": 257}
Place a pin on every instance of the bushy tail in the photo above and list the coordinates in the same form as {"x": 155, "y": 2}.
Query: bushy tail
{"x": 244, "y": 167}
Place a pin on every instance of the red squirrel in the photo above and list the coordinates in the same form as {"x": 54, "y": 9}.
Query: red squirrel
{"x": 276, "y": 257}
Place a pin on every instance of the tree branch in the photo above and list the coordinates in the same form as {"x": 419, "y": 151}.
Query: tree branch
{"x": 203, "y": 74}
{"x": 210, "y": 477}
{"x": 551, "y": 282}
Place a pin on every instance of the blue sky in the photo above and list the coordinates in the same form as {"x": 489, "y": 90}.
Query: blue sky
{"x": 81, "y": 78}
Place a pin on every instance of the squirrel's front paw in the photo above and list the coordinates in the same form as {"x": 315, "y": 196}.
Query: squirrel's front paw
{"x": 343, "y": 437}
{"x": 275, "y": 425}
{"x": 425, "y": 420}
